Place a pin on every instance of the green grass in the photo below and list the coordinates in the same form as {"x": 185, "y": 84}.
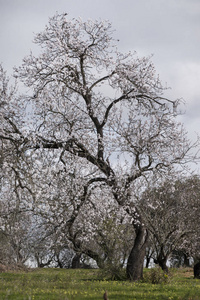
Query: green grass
{"x": 58, "y": 284}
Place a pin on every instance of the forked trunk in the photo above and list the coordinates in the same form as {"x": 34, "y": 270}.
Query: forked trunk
{"x": 134, "y": 269}
{"x": 162, "y": 260}
{"x": 163, "y": 265}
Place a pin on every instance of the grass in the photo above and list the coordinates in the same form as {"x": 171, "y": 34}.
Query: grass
{"x": 58, "y": 284}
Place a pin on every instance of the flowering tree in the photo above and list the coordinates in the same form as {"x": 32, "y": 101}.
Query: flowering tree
{"x": 171, "y": 213}
{"x": 93, "y": 226}
{"x": 188, "y": 190}
{"x": 16, "y": 193}
{"x": 104, "y": 108}
{"x": 15, "y": 212}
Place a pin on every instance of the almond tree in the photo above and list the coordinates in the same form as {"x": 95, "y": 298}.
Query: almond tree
{"x": 105, "y": 108}
{"x": 16, "y": 194}
{"x": 92, "y": 227}
{"x": 171, "y": 213}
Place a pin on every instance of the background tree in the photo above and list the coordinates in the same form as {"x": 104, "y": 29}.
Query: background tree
{"x": 171, "y": 211}
{"x": 15, "y": 222}
{"x": 92, "y": 228}
{"x": 16, "y": 196}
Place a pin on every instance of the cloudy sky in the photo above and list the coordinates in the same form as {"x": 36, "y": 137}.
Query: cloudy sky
{"x": 168, "y": 29}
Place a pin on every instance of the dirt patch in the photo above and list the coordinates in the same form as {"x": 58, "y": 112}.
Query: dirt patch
{"x": 188, "y": 273}
{"x": 7, "y": 268}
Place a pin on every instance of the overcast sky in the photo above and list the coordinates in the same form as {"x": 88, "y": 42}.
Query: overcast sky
{"x": 168, "y": 29}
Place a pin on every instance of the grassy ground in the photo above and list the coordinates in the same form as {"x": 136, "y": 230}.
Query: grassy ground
{"x": 58, "y": 284}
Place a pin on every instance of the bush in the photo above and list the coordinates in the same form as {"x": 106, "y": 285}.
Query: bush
{"x": 110, "y": 272}
{"x": 156, "y": 276}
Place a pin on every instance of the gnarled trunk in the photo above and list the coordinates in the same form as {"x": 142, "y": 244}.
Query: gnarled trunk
{"x": 135, "y": 264}
{"x": 76, "y": 261}
{"x": 162, "y": 260}
{"x": 162, "y": 263}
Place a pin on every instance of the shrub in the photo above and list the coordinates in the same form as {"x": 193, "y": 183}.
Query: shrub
{"x": 156, "y": 276}
{"x": 111, "y": 272}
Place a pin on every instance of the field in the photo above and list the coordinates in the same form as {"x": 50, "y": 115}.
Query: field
{"x": 60, "y": 284}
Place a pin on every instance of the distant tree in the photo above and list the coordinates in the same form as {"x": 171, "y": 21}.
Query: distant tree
{"x": 171, "y": 214}
{"x": 149, "y": 255}
{"x": 15, "y": 224}
{"x": 16, "y": 196}
{"x": 104, "y": 108}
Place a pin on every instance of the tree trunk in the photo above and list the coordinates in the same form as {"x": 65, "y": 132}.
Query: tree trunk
{"x": 100, "y": 262}
{"x": 60, "y": 264}
{"x": 134, "y": 269}
{"x": 76, "y": 261}
{"x": 148, "y": 258}
{"x": 186, "y": 262}
{"x": 162, "y": 262}
{"x": 197, "y": 270}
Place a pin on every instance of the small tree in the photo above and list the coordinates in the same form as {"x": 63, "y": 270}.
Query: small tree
{"x": 171, "y": 213}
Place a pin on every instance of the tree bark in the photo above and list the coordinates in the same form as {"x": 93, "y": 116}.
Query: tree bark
{"x": 148, "y": 259}
{"x": 135, "y": 264}
{"x": 186, "y": 262}
{"x": 163, "y": 264}
{"x": 162, "y": 261}
{"x": 197, "y": 270}
{"x": 76, "y": 261}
